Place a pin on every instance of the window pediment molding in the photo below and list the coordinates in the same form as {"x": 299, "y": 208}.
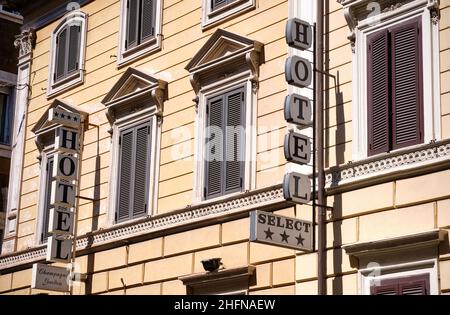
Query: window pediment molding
{"x": 224, "y": 52}
{"x": 134, "y": 91}
{"x": 44, "y": 126}
{"x": 356, "y": 11}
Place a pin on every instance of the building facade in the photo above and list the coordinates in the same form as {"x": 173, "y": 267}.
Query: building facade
{"x": 10, "y": 22}
{"x": 180, "y": 107}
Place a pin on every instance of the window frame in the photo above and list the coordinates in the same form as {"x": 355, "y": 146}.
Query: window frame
{"x": 126, "y": 56}
{"x": 76, "y": 77}
{"x": 8, "y": 117}
{"x": 212, "y": 17}
{"x": 368, "y": 276}
{"x": 47, "y": 153}
{"x": 430, "y": 76}
{"x": 239, "y": 81}
{"x": 120, "y": 125}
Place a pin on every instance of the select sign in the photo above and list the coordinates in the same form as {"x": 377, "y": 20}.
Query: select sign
{"x": 268, "y": 228}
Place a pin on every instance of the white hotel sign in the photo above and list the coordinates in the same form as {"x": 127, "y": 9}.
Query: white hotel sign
{"x": 46, "y": 277}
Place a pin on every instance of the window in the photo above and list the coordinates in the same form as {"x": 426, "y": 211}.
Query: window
{"x": 140, "y": 29}
{"x": 215, "y": 11}
{"x": 67, "y": 60}
{"x": 47, "y": 195}
{"x": 134, "y": 161}
{"x": 396, "y": 97}
{"x": 394, "y": 75}
{"x": 224, "y": 74}
{"x": 5, "y": 119}
{"x": 134, "y": 107}
{"x": 225, "y": 144}
{"x": 413, "y": 285}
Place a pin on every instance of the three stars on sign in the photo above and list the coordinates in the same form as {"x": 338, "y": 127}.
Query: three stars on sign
{"x": 284, "y": 236}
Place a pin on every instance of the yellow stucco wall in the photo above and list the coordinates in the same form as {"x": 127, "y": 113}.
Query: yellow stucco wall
{"x": 153, "y": 266}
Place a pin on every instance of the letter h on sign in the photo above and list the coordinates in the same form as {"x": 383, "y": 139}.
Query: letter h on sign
{"x": 66, "y": 140}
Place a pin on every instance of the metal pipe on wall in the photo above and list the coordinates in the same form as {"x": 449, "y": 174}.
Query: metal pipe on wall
{"x": 321, "y": 261}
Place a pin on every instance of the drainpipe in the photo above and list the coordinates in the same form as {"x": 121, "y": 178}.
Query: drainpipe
{"x": 321, "y": 261}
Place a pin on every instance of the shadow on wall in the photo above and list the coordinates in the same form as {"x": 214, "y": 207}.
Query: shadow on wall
{"x": 339, "y": 138}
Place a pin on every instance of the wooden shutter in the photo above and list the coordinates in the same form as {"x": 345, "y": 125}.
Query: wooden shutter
{"x": 125, "y": 176}
{"x": 413, "y": 285}
{"x": 148, "y": 19}
{"x": 134, "y": 172}
{"x": 61, "y": 51}
{"x": 234, "y": 141}
{"x": 214, "y": 148}
{"x": 74, "y": 48}
{"x": 132, "y": 23}
{"x": 407, "y": 127}
{"x": 48, "y": 193}
{"x": 141, "y": 171}
{"x": 378, "y": 92}
{"x": 215, "y": 4}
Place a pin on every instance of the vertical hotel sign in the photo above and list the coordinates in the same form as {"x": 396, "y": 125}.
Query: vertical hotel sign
{"x": 62, "y": 200}
{"x": 298, "y": 111}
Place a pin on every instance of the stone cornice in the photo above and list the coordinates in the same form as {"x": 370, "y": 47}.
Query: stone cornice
{"x": 187, "y": 218}
{"x": 410, "y": 160}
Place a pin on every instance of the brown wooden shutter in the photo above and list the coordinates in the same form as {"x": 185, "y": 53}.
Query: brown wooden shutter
{"x": 407, "y": 84}
{"x": 48, "y": 193}
{"x": 378, "y": 92}
{"x": 234, "y": 141}
{"x": 125, "y": 176}
{"x": 61, "y": 51}
{"x": 148, "y": 19}
{"x": 413, "y": 285}
{"x": 132, "y": 23}
{"x": 214, "y": 148}
{"x": 141, "y": 169}
{"x": 74, "y": 48}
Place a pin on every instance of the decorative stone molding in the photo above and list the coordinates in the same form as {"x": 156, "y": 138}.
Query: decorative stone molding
{"x": 135, "y": 91}
{"x": 357, "y": 10}
{"x": 412, "y": 241}
{"x": 25, "y": 42}
{"x": 222, "y": 53}
{"x": 184, "y": 217}
{"x": 390, "y": 162}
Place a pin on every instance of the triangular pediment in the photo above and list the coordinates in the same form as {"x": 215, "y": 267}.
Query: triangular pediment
{"x": 132, "y": 82}
{"x": 220, "y": 45}
{"x": 44, "y": 123}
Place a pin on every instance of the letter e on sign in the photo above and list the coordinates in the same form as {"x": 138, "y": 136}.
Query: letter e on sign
{"x": 61, "y": 221}
{"x": 297, "y": 148}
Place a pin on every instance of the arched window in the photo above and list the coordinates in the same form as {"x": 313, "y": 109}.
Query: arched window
{"x": 67, "y": 52}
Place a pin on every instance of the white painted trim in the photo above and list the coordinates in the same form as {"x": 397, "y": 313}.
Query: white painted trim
{"x": 149, "y": 114}
{"x": 241, "y": 80}
{"x": 367, "y": 276}
{"x": 431, "y": 78}
{"x": 77, "y": 78}
{"x": 143, "y": 49}
{"x": 210, "y": 19}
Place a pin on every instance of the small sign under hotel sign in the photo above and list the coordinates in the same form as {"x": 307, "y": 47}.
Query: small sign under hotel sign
{"x": 51, "y": 278}
{"x": 269, "y": 228}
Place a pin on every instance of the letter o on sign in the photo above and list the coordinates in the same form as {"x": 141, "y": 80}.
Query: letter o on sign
{"x": 65, "y": 166}
{"x": 298, "y": 71}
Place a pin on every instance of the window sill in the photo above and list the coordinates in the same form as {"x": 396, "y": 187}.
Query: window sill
{"x": 385, "y": 167}
{"x": 71, "y": 82}
{"x": 143, "y": 50}
{"x": 220, "y": 15}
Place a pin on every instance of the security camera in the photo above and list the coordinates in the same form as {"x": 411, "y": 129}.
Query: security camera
{"x": 211, "y": 264}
